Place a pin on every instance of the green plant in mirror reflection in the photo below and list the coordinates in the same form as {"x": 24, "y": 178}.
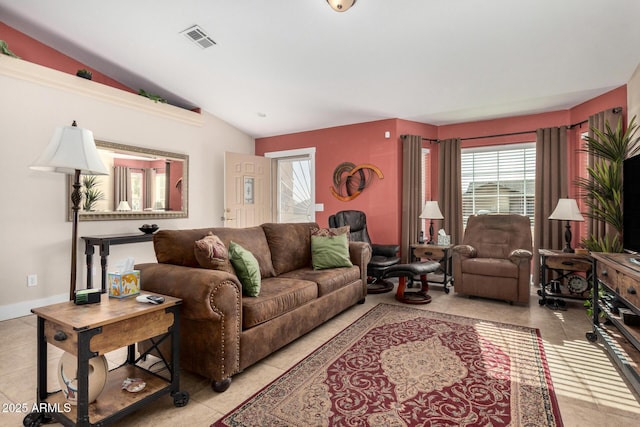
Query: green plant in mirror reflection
{"x": 90, "y": 193}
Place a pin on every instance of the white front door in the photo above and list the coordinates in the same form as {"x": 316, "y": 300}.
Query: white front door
{"x": 247, "y": 196}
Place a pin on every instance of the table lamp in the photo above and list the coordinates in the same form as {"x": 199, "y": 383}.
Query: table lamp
{"x": 567, "y": 210}
{"x": 431, "y": 211}
{"x": 123, "y": 206}
{"x": 72, "y": 150}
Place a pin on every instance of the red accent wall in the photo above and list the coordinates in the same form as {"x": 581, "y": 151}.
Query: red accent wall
{"x": 359, "y": 144}
{"x": 365, "y": 143}
{"x": 32, "y": 50}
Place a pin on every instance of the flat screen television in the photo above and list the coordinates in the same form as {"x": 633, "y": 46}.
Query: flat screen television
{"x": 631, "y": 204}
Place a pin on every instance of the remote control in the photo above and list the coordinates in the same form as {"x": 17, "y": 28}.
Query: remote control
{"x": 151, "y": 299}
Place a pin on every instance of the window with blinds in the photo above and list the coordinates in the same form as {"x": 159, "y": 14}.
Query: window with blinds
{"x": 498, "y": 179}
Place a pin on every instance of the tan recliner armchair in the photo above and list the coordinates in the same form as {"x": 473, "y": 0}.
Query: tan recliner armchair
{"x": 494, "y": 260}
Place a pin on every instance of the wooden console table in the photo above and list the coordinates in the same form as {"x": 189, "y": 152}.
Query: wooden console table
{"x": 86, "y": 331}
{"x": 104, "y": 242}
{"x": 617, "y": 275}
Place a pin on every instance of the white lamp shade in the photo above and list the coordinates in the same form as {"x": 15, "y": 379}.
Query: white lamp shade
{"x": 431, "y": 210}
{"x": 567, "y": 209}
{"x": 123, "y": 206}
{"x": 341, "y": 5}
{"x": 71, "y": 148}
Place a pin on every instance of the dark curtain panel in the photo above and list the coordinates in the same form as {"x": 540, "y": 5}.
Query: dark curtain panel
{"x": 411, "y": 192}
{"x": 450, "y": 188}
{"x": 551, "y": 185}
{"x": 121, "y": 186}
{"x": 598, "y": 121}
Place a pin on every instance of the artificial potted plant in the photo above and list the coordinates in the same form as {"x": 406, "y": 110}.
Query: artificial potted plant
{"x": 85, "y": 74}
{"x": 4, "y": 48}
{"x": 602, "y": 189}
{"x": 154, "y": 98}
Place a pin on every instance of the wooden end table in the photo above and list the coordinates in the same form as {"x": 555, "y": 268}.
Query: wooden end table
{"x": 93, "y": 330}
{"x": 566, "y": 265}
{"x": 439, "y": 253}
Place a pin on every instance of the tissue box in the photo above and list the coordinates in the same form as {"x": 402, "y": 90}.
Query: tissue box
{"x": 123, "y": 285}
{"x": 444, "y": 240}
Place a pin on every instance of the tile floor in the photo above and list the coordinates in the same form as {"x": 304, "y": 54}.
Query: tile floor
{"x": 589, "y": 389}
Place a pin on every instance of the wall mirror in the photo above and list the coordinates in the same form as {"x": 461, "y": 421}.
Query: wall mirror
{"x": 143, "y": 184}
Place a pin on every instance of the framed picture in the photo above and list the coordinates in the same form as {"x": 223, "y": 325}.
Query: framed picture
{"x": 248, "y": 190}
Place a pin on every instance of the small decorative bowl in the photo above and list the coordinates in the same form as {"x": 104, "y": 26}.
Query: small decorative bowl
{"x": 149, "y": 229}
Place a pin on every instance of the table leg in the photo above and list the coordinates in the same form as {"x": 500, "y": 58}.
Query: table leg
{"x": 104, "y": 254}
{"x": 543, "y": 280}
{"x": 42, "y": 361}
{"x": 89, "y": 251}
{"x": 82, "y": 372}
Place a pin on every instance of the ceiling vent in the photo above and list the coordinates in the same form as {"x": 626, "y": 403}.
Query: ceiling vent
{"x": 198, "y": 36}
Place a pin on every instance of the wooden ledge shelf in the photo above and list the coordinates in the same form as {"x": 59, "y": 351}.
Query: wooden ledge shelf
{"x": 28, "y": 71}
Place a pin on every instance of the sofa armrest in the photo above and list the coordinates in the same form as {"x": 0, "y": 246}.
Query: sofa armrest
{"x": 205, "y": 293}
{"x": 210, "y": 316}
{"x": 517, "y": 256}
{"x": 466, "y": 251}
{"x": 360, "y": 255}
{"x": 385, "y": 250}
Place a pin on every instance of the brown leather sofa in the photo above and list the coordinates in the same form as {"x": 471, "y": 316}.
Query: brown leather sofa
{"x": 222, "y": 332}
{"x": 494, "y": 260}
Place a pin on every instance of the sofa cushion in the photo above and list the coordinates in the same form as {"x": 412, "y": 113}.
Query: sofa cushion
{"x": 211, "y": 253}
{"x": 176, "y": 246}
{"x": 277, "y": 296}
{"x": 247, "y": 269}
{"x": 328, "y": 280}
{"x": 490, "y": 267}
{"x": 330, "y": 252}
{"x": 290, "y": 245}
{"x": 252, "y": 239}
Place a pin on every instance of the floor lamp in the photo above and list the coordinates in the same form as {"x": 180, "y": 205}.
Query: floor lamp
{"x": 72, "y": 150}
{"x": 431, "y": 211}
{"x": 567, "y": 210}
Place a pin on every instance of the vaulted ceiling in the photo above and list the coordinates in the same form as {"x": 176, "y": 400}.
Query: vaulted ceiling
{"x": 284, "y": 66}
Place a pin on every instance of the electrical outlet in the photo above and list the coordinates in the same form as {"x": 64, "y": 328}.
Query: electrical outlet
{"x": 32, "y": 280}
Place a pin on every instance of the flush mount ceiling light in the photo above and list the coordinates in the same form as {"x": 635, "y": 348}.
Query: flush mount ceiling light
{"x": 341, "y": 5}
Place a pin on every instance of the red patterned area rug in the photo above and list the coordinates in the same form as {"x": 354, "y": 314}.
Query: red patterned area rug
{"x": 403, "y": 366}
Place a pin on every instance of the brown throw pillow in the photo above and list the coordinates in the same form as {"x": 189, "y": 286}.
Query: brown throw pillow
{"x": 211, "y": 253}
{"x": 326, "y": 232}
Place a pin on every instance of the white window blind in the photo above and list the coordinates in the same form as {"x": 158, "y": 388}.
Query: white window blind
{"x": 498, "y": 179}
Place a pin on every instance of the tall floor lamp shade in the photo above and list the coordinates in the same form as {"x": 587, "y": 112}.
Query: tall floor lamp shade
{"x": 567, "y": 210}
{"x": 431, "y": 211}
{"x": 72, "y": 150}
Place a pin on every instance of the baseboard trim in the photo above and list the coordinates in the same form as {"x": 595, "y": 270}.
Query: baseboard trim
{"x": 20, "y": 309}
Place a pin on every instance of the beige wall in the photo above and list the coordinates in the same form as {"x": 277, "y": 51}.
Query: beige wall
{"x": 36, "y": 238}
{"x": 633, "y": 95}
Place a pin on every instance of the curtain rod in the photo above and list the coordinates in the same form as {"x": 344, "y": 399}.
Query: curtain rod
{"x": 616, "y": 110}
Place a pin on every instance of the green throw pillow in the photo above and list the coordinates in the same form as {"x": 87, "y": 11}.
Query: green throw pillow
{"x": 330, "y": 252}
{"x": 247, "y": 269}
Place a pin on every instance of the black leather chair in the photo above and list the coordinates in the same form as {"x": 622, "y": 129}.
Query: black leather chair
{"x": 383, "y": 256}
